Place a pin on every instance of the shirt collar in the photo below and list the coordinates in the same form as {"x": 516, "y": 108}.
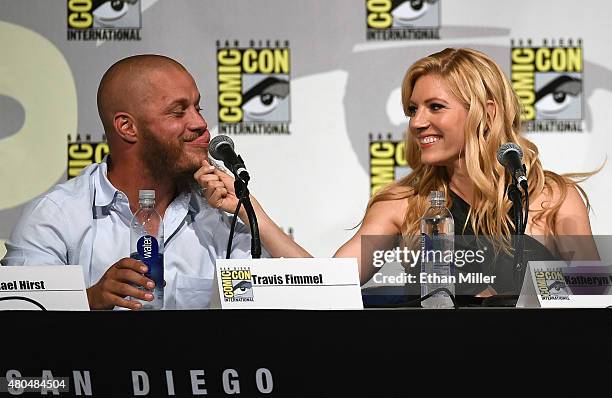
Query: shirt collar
{"x": 106, "y": 193}
{"x": 195, "y": 204}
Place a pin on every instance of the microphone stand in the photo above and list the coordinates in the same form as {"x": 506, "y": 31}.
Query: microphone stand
{"x": 242, "y": 193}
{"x": 518, "y": 244}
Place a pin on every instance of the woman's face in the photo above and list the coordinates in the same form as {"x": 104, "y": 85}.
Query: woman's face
{"x": 437, "y": 122}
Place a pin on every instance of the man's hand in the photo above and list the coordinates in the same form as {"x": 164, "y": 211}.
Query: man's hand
{"x": 220, "y": 194}
{"x": 116, "y": 284}
{"x": 218, "y": 187}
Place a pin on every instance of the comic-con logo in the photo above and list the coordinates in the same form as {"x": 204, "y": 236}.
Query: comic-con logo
{"x": 253, "y": 87}
{"x": 402, "y": 19}
{"x": 237, "y": 284}
{"x": 387, "y": 162}
{"x": 118, "y": 20}
{"x": 548, "y": 80}
{"x": 82, "y": 153}
{"x": 551, "y": 285}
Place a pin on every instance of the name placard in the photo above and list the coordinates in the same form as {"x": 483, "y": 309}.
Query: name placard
{"x": 47, "y": 287}
{"x": 288, "y": 283}
{"x": 555, "y": 284}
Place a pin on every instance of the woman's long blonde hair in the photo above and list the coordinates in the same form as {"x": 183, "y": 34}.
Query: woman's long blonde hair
{"x": 474, "y": 79}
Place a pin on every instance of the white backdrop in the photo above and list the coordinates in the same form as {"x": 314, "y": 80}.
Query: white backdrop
{"x": 343, "y": 88}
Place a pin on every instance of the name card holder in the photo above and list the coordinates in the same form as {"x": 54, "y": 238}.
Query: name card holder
{"x": 555, "y": 284}
{"x": 46, "y": 287}
{"x": 288, "y": 283}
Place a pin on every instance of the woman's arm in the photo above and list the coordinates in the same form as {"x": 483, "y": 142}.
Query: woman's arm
{"x": 219, "y": 192}
{"x": 378, "y": 232}
{"x": 574, "y": 238}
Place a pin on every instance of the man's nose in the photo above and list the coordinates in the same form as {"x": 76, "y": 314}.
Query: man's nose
{"x": 197, "y": 123}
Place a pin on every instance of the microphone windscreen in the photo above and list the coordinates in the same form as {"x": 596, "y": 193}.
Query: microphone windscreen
{"x": 216, "y": 142}
{"x": 508, "y": 147}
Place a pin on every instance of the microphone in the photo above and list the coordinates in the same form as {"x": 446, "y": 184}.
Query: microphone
{"x": 510, "y": 156}
{"x": 221, "y": 148}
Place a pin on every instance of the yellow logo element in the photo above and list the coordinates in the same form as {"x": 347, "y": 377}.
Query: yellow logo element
{"x": 387, "y": 163}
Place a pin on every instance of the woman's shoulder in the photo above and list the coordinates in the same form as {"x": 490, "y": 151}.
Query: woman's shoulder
{"x": 392, "y": 197}
{"x": 389, "y": 207}
{"x": 560, "y": 201}
{"x": 557, "y": 193}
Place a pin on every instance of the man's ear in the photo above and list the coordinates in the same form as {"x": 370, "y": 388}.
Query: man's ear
{"x": 125, "y": 127}
{"x": 491, "y": 112}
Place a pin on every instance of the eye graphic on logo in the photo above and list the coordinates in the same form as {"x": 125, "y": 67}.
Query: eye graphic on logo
{"x": 109, "y": 11}
{"x": 405, "y": 12}
{"x": 557, "y": 287}
{"x": 558, "y": 94}
{"x": 242, "y": 287}
{"x": 264, "y": 97}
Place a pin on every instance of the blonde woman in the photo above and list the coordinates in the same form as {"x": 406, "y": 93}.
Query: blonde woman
{"x": 461, "y": 109}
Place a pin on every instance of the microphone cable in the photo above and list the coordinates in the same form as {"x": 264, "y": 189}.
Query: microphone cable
{"x": 29, "y": 300}
{"x": 412, "y": 303}
{"x": 232, "y": 228}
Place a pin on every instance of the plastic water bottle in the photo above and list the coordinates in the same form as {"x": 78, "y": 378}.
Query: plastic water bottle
{"x": 147, "y": 246}
{"x": 437, "y": 252}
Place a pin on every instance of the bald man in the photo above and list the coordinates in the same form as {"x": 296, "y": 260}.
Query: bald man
{"x": 149, "y": 107}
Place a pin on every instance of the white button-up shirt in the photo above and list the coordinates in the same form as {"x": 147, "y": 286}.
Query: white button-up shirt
{"x": 86, "y": 221}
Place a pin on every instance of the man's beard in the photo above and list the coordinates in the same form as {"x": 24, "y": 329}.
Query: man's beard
{"x": 166, "y": 160}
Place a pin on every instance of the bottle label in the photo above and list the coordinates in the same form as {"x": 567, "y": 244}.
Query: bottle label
{"x": 431, "y": 248}
{"x": 148, "y": 252}
{"x": 437, "y": 249}
{"x": 426, "y": 243}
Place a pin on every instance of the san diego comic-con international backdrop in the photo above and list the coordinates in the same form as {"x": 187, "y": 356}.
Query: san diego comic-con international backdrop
{"x": 308, "y": 90}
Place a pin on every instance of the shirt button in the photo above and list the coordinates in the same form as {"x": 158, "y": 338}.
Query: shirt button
{"x": 120, "y": 196}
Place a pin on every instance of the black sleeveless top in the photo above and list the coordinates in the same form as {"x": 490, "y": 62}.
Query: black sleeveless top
{"x": 496, "y": 263}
